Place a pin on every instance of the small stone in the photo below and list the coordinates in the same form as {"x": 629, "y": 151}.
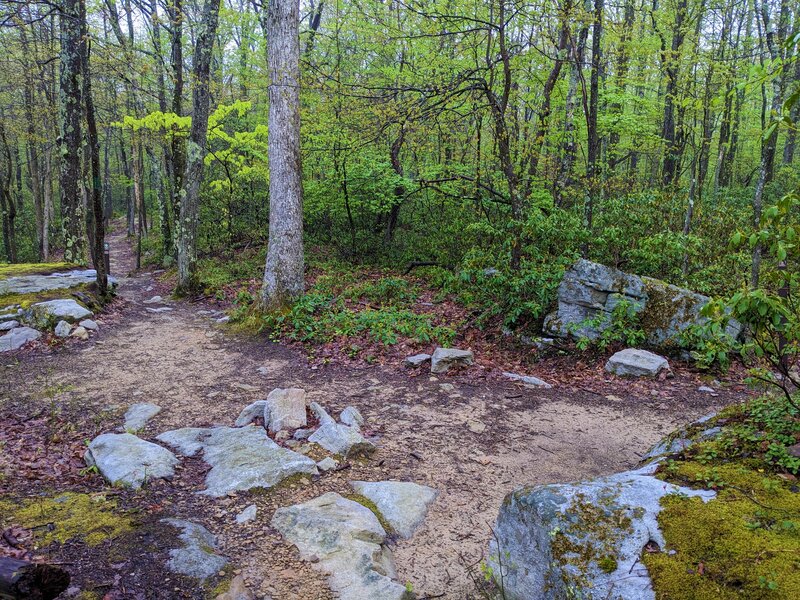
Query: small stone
{"x": 154, "y": 300}
{"x": 636, "y": 363}
{"x": 282, "y": 435}
{"x": 351, "y": 416}
{"x": 403, "y": 504}
{"x": 124, "y": 459}
{"x": 528, "y": 380}
{"x": 285, "y": 408}
{"x": 263, "y": 370}
{"x": 445, "y": 358}
{"x": 416, "y": 360}
{"x": 476, "y": 426}
{"x": 139, "y": 414}
{"x": 251, "y": 413}
{"x": 447, "y": 387}
{"x": 794, "y": 450}
{"x": 160, "y": 309}
{"x": 80, "y": 333}
{"x": 705, "y": 389}
{"x": 88, "y": 324}
{"x": 197, "y": 558}
{"x": 245, "y": 387}
{"x": 62, "y": 329}
{"x": 327, "y": 464}
{"x": 302, "y": 434}
{"x": 248, "y": 514}
{"x": 223, "y": 320}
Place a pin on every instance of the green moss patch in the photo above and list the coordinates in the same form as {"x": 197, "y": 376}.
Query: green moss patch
{"x": 366, "y": 502}
{"x": 25, "y": 300}
{"x": 91, "y": 517}
{"x": 20, "y": 269}
{"x": 591, "y": 538}
{"x": 744, "y": 543}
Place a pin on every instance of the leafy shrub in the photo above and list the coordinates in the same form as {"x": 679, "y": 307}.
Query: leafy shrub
{"x": 621, "y": 326}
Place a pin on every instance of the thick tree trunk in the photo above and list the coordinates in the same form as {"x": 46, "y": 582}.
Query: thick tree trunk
{"x": 283, "y": 273}
{"x": 196, "y": 148}
{"x": 72, "y": 217}
{"x": 31, "y": 581}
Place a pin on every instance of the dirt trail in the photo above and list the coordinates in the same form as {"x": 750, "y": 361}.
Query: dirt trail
{"x": 200, "y": 375}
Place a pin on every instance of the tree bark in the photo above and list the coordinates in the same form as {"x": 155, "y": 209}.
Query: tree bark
{"x": 72, "y": 217}
{"x": 196, "y": 148}
{"x": 283, "y": 272}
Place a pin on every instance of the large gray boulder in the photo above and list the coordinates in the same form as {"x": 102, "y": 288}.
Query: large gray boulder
{"x": 403, "y": 504}
{"x": 53, "y": 311}
{"x": 240, "y": 458}
{"x": 445, "y": 358}
{"x": 581, "y": 539}
{"x": 285, "y": 408}
{"x": 197, "y": 557}
{"x": 343, "y": 539}
{"x": 124, "y": 459}
{"x": 337, "y": 438}
{"x": 30, "y": 284}
{"x": 633, "y": 362}
{"x": 18, "y": 337}
{"x": 589, "y": 292}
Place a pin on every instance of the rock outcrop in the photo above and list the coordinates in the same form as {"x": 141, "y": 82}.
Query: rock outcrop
{"x": 556, "y": 541}
{"x": 589, "y": 292}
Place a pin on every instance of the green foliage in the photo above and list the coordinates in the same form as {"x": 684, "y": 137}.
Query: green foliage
{"x": 621, "y": 327}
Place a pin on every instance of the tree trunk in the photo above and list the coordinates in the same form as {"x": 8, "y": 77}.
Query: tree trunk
{"x": 283, "y": 273}
{"x": 196, "y": 149}
{"x": 671, "y": 62}
{"x": 72, "y": 217}
{"x": 31, "y": 581}
{"x": 96, "y": 189}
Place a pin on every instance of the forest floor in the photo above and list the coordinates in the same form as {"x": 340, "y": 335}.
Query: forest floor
{"x": 54, "y": 399}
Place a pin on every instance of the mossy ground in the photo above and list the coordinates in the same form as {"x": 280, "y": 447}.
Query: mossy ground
{"x": 19, "y": 269}
{"x": 93, "y": 518}
{"x": 745, "y": 543}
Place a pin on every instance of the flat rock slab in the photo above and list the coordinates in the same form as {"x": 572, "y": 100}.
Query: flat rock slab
{"x": 64, "y": 309}
{"x": 30, "y": 284}
{"x": 124, "y": 459}
{"x": 240, "y": 458}
{"x": 139, "y": 414}
{"x": 445, "y": 358}
{"x": 8, "y": 325}
{"x": 528, "y": 380}
{"x": 285, "y": 408}
{"x": 337, "y": 438}
{"x": 403, "y": 504}
{"x": 18, "y": 337}
{"x": 613, "y": 517}
{"x": 343, "y": 539}
{"x": 197, "y": 557}
{"x": 636, "y": 363}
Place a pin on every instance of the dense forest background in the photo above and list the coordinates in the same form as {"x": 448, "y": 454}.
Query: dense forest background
{"x": 496, "y": 140}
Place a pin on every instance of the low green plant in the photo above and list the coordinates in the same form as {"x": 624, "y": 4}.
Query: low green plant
{"x": 621, "y": 326}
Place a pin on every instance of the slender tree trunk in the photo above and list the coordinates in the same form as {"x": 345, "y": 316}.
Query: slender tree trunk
{"x": 671, "y": 61}
{"x": 283, "y": 273}
{"x": 96, "y": 189}
{"x": 196, "y": 148}
{"x": 72, "y": 218}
